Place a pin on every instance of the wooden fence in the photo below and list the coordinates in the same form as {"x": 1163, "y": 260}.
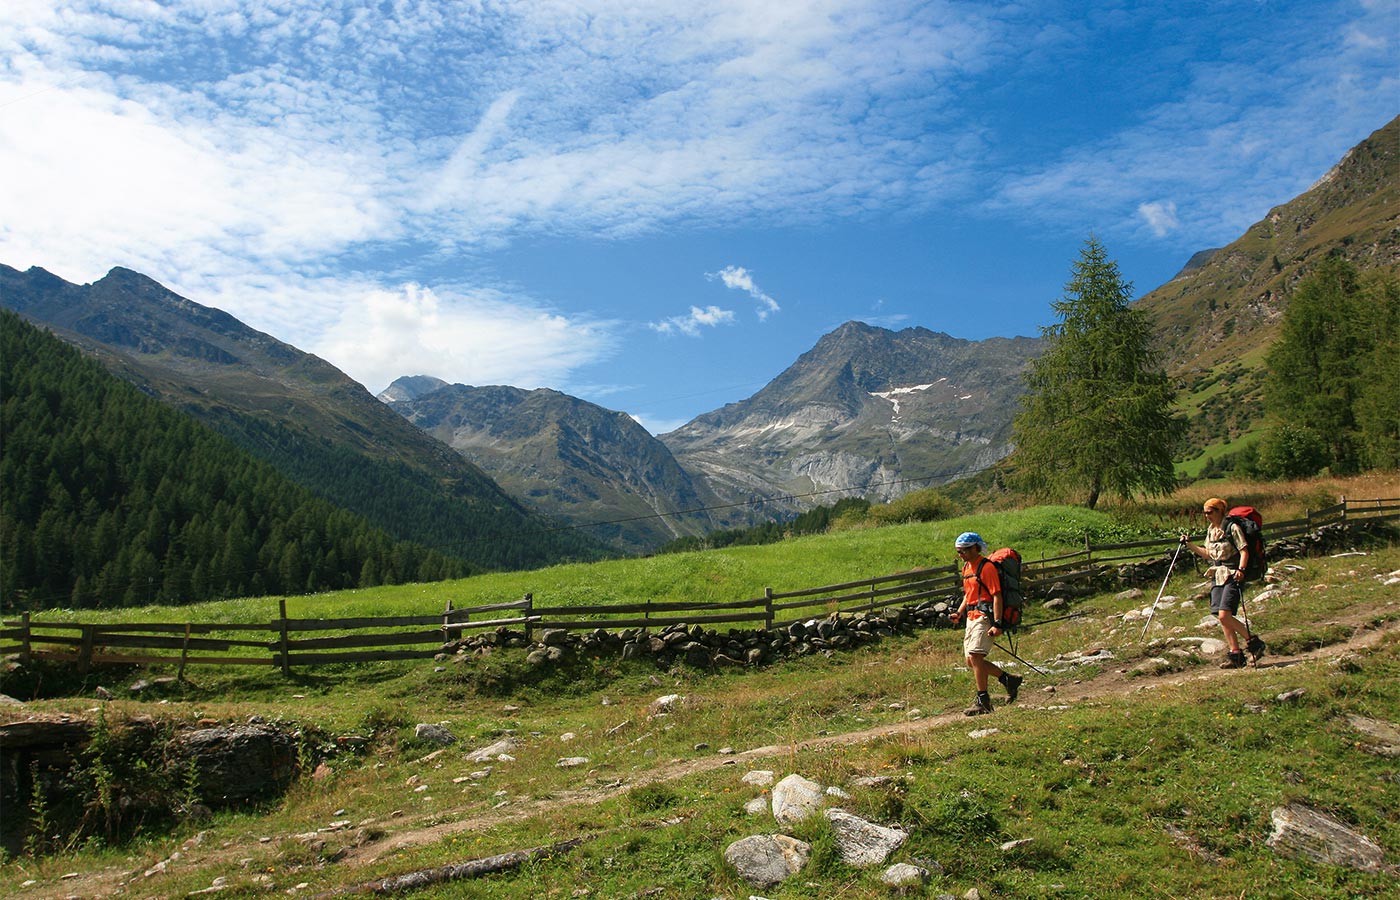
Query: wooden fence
{"x": 286, "y": 642}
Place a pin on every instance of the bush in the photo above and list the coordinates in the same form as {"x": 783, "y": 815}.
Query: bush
{"x": 917, "y": 506}
{"x": 1292, "y": 451}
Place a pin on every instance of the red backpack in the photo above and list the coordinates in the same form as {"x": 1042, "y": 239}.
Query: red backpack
{"x": 1252, "y": 524}
{"x": 1008, "y": 563}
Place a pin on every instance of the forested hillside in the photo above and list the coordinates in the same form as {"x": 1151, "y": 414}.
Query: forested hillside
{"x": 108, "y": 497}
{"x": 297, "y": 412}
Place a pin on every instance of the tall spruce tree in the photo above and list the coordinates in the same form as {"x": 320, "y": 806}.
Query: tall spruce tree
{"x": 1377, "y": 409}
{"x": 1333, "y": 369}
{"x": 1098, "y": 415}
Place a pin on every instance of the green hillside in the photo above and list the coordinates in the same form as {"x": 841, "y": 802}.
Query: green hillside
{"x": 1128, "y": 768}
{"x": 110, "y": 498}
{"x": 1216, "y": 321}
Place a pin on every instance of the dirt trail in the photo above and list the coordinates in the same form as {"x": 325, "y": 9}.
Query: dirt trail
{"x": 1110, "y": 683}
{"x": 401, "y": 834}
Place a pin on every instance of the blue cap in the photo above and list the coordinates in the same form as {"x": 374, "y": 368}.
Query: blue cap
{"x": 969, "y": 539}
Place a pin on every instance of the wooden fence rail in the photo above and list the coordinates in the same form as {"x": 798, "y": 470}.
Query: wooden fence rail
{"x": 286, "y": 642}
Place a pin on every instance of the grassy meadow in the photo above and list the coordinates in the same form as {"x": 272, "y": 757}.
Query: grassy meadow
{"x": 1138, "y": 771}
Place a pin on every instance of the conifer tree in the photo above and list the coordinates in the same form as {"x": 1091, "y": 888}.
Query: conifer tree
{"x": 1098, "y": 416}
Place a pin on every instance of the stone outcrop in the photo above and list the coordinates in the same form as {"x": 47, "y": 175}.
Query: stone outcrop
{"x": 238, "y": 762}
{"x": 1302, "y": 831}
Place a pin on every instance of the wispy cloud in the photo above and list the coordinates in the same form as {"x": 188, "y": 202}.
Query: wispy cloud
{"x": 1224, "y": 148}
{"x": 244, "y": 151}
{"x": 696, "y": 319}
{"x": 1160, "y": 216}
{"x": 302, "y": 163}
{"x": 739, "y": 279}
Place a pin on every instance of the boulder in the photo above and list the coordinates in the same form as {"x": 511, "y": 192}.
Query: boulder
{"x": 237, "y": 762}
{"x": 503, "y": 747}
{"x": 1301, "y": 831}
{"x": 796, "y": 798}
{"x": 767, "y": 859}
{"x": 861, "y": 843}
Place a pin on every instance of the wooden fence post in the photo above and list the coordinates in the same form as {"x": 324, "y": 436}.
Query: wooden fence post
{"x": 529, "y": 615}
{"x": 24, "y": 656}
{"x": 768, "y": 609}
{"x": 85, "y": 652}
{"x": 282, "y": 624}
{"x": 184, "y": 653}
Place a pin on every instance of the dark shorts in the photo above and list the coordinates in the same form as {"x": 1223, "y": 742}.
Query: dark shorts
{"x": 1225, "y": 596}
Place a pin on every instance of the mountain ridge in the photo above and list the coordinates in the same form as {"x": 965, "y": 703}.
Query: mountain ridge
{"x": 867, "y": 411}
{"x": 564, "y": 456}
{"x": 294, "y": 410}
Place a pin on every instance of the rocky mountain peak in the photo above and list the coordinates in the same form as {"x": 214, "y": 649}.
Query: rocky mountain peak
{"x": 411, "y": 387}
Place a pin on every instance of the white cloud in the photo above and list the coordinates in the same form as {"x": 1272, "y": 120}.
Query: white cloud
{"x": 253, "y": 155}
{"x": 658, "y": 425}
{"x": 698, "y": 318}
{"x": 470, "y": 338}
{"x": 739, "y": 279}
{"x": 1223, "y": 146}
{"x": 1160, "y": 217}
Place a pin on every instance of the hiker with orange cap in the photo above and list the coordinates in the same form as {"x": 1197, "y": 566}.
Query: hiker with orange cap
{"x": 1227, "y": 551}
{"x": 982, "y": 602}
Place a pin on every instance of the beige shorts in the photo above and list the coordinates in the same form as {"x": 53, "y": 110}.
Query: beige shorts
{"x": 977, "y": 638}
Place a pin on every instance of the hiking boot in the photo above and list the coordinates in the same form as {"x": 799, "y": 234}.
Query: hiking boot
{"x": 1012, "y": 683}
{"x": 981, "y": 706}
{"x": 1233, "y": 660}
{"x": 1255, "y": 647}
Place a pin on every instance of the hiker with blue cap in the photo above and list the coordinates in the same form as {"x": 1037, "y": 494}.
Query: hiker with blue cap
{"x": 982, "y": 603}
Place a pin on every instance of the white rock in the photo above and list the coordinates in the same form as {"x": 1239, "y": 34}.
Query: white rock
{"x": 795, "y": 798}
{"x": 764, "y": 860}
{"x": 1302, "y": 831}
{"x": 863, "y": 843}
{"x": 494, "y": 751}
{"x": 902, "y": 875}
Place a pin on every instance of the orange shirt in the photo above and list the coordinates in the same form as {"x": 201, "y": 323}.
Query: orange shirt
{"x": 990, "y": 582}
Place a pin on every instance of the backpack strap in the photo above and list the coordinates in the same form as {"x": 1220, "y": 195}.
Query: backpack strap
{"x": 1233, "y": 528}
{"x": 989, "y": 603}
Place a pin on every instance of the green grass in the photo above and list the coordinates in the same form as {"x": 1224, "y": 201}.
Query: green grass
{"x": 1131, "y": 792}
{"x": 734, "y": 573}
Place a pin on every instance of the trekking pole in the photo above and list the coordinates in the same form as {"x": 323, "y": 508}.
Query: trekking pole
{"x": 1150, "y": 612}
{"x": 1013, "y": 655}
{"x": 1073, "y": 615}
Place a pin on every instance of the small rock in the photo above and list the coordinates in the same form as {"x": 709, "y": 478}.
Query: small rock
{"x": 434, "y": 734}
{"x": 904, "y": 875}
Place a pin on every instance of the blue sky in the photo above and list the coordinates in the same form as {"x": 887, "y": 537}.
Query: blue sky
{"x": 658, "y": 206}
